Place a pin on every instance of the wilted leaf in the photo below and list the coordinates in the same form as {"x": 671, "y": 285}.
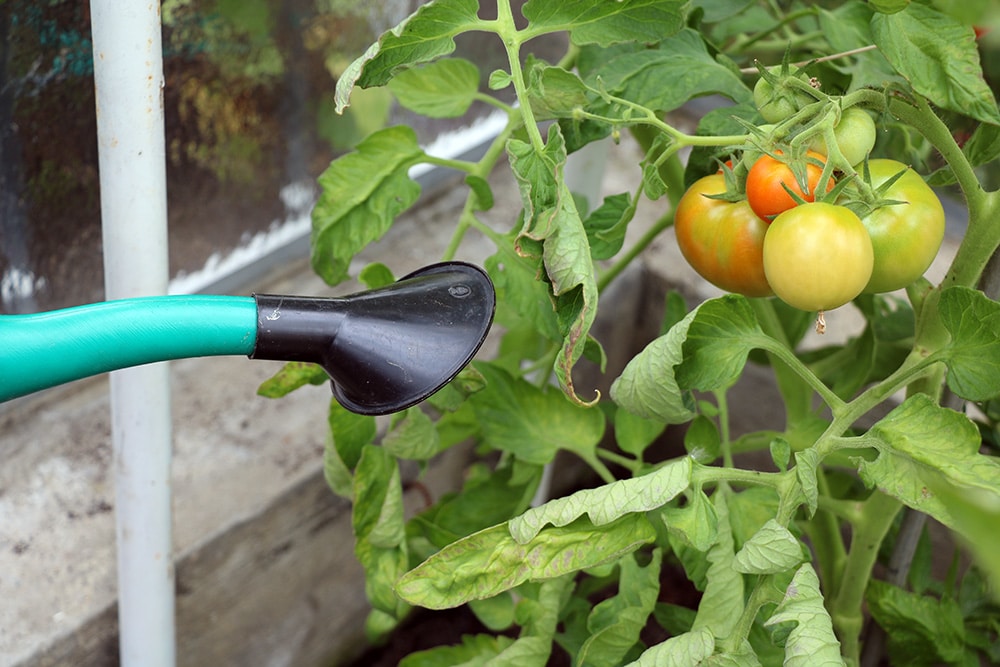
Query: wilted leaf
{"x": 772, "y": 549}
{"x": 490, "y": 561}
{"x": 615, "y": 623}
{"x": 803, "y": 625}
{"x": 412, "y": 436}
{"x": 647, "y": 387}
{"x": 474, "y": 650}
{"x": 685, "y": 650}
{"x": 606, "y": 503}
{"x": 722, "y": 602}
{"x": 293, "y": 375}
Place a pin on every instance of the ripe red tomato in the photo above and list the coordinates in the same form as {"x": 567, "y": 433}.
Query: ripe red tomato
{"x": 817, "y": 256}
{"x": 767, "y": 178}
{"x": 906, "y": 236}
{"x": 723, "y": 241}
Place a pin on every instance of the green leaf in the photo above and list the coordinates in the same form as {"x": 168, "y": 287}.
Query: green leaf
{"x": 921, "y": 630}
{"x": 481, "y": 503}
{"x": 802, "y": 624}
{"x": 376, "y": 275}
{"x": 474, "y": 650}
{"x": 606, "y": 503}
{"x": 293, "y": 375}
{"x": 696, "y": 524}
{"x": 523, "y": 301}
{"x": 490, "y": 561}
{"x": 722, "y": 602}
{"x": 499, "y": 79}
{"x": 749, "y": 510}
{"x": 922, "y": 445}
{"x": 422, "y": 37}
{"x": 718, "y": 342}
{"x": 338, "y": 476}
{"x": 615, "y": 623}
{"x": 634, "y": 434}
{"x": 362, "y": 193}
{"x": 496, "y": 613}
{"x": 378, "y": 499}
{"x": 483, "y": 193}
{"x": 369, "y": 111}
{"x": 383, "y": 566}
{"x": 532, "y": 423}
{"x": 781, "y": 453}
{"x": 973, "y": 354}
{"x": 702, "y": 441}
{"x": 889, "y": 6}
{"x": 806, "y": 464}
{"x": 350, "y": 431}
{"x": 604, "y": 23}
{"x": 771, "y": 550}
{"x": 413, "y": 435}
{"x": 976, "y": 515}
{"x": 744, "y": 658}
{"x": 939, "y": 57}
{"x": 647, "y": 386}
{"x": 679, "y": 69}
{"x": 442, "y": 89}
{"x": 847, "y": 27}
{"x": 553, "y": 92}
{"x": 607, "y": 225}
{"x": 685, "y": 650}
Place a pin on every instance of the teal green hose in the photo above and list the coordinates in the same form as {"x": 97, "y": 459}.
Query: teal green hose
{"x": 46, "y": 349}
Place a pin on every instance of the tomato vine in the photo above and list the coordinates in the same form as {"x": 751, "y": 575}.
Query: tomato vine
{"x": 765, "y": 548}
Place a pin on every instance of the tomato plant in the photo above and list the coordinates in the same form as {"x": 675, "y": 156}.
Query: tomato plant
{"x": 906, "y": 233}
{"x": 817, "y": 256}
{"x": 774, "y": 184}
{"x": 872, "y": 435}
{"x": 723, "y": 241}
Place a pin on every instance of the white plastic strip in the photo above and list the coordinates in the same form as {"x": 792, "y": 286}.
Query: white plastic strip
{"x": 128, "y": 77}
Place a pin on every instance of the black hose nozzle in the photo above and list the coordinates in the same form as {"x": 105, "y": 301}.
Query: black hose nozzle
{"x": 389, "y": 348}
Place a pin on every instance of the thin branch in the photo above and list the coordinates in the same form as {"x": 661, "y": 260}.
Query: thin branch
{"x": 835, "y": 56}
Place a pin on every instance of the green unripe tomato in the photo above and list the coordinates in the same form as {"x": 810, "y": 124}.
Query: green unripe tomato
{"x": 855, "y": 135}
{"x": 906, "y": 236}
{"x": 817, "y": 256}
{"x": 776, "y": 103}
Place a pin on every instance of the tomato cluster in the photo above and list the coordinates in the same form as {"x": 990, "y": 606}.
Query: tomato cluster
{"x": 814, "y": 255}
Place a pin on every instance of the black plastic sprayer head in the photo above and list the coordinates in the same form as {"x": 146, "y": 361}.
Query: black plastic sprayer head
{"x": 389, "y": 348}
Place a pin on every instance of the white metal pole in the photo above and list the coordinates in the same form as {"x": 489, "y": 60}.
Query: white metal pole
{"x": 128, "y": 77}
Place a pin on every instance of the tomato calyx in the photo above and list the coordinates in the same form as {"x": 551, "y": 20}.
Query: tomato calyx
{"x": 867, "y": 200}
{"x": 783, "y": 91}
